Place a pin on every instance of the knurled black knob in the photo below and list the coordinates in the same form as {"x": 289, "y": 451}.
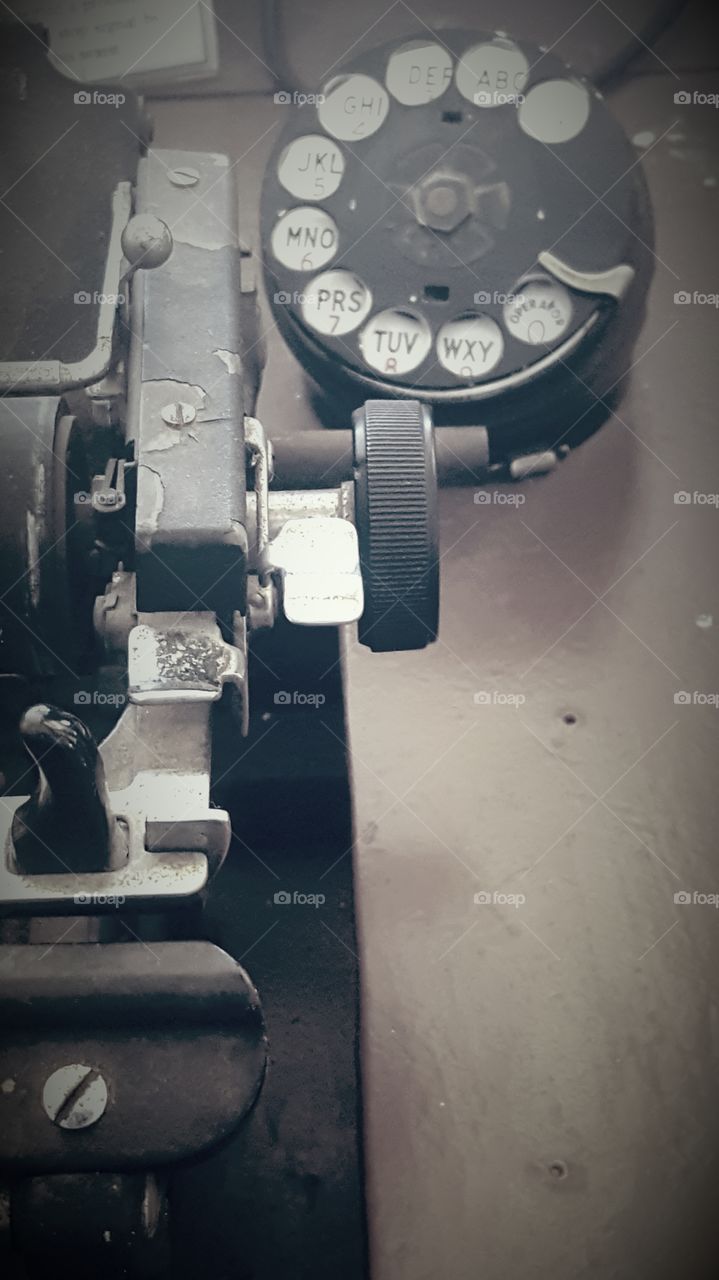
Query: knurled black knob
{"x": 397, "y": 524}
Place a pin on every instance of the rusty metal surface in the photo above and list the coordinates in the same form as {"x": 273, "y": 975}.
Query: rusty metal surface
{"x": 540, "y": 1077}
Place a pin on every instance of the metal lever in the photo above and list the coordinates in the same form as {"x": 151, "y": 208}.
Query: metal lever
{"x": 67, "y": 824}
{"x": 318, "y": 561}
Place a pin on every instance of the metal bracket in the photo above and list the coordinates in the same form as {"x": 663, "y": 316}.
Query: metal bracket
{"x": 180, "y": 662}
{"x": 157, "y": 764}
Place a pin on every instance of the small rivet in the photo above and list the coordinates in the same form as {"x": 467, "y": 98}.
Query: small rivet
{"x": 178, "y": 414}
{"x": 147, "y": 241}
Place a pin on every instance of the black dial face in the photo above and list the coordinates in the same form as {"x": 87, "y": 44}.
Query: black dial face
{"x": 449, "y": 213}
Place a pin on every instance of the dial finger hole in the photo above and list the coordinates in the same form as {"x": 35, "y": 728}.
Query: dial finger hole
{"x": 305, "y": 239}
{"x": 336, "y": 303}
{"x": 493, "y": 74}
{"x": 395, "y": 342}
{"x": 353, "y": 107}
{"x": 540, "y": 312}
{"x": 311, "y": 167}
{"x": 555, "y": 111}
{"x": 470, "y": 346}
{"x": 419, "y": 72}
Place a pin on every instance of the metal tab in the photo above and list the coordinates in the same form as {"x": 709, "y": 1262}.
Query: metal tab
{"x": 318, "y": 559}
{"x": 187, "y": 661}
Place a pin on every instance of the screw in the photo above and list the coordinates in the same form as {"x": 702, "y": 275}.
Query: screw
{"x": 442, "y": 201}
{"x": 178, "y": 415}
{"x": 75, "y": 1097}
{"x": 184, "y": 177}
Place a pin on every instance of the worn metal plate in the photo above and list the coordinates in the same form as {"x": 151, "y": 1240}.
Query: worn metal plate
{"x": 173, "y": 1028}
{"x": 186, "y": 407}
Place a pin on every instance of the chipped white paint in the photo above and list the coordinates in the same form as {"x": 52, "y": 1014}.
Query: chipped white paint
{"x": 231, "y": 360}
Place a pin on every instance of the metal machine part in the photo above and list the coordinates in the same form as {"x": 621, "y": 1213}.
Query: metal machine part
{"x": 428, "y": 225}
{"x": 114, "y": 1014}
{"x": 67, "y": 821}
{"x": 43, "y": 537}
{"x": 134, "y": 546}
{"x": 76, "y": 1135}
{"x": 398, "y": 524}
{"x": 109, "y": 1224}
{"x": 185, "y": 409}
{"x": 157, "y": 796}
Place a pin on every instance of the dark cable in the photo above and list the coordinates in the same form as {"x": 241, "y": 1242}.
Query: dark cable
{"x": 273, "y": 37}
{"x": 609, "y": 76}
